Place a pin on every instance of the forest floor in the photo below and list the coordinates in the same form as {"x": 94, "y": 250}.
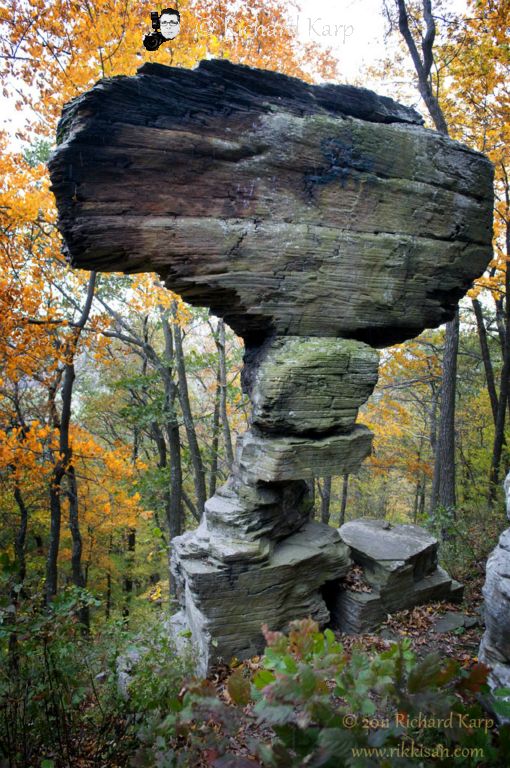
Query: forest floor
{"x": 420, "y": 625}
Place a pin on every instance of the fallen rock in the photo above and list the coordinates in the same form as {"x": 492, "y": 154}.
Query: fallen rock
{"x": 399, "y": 562}
{"x": 451, "y": 621}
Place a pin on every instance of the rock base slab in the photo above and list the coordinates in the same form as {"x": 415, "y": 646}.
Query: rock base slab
{"x": 400, "y": 570}
{"x": 225, "y": 604}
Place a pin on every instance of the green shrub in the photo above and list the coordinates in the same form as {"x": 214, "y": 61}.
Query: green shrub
{"x": 328, "y": 709}
{"x": 57, "y": 685}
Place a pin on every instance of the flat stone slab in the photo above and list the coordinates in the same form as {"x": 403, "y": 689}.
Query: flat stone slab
{"x": 311, "y": 385}
{"x": 274, "y": 459}
{"x": 452, "y": 620}
{"x": 399, "y": 564}
{"x": 386, "y": 543}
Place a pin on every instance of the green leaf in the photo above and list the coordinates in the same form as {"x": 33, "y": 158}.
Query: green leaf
{"x": 278, "y": 714}
{"x": 336, "y": 742}
{"x": 425, "y": 674}
{"x": 239, "y": 687}
{"x": 262, "y": 678}
{"x": 368, "y": 707}
{"x": 47, "y": 764}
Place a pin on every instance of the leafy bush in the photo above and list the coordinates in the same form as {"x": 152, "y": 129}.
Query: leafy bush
{"x": 57, "y": 686}
{"x": 466, "y": 537}
{"x": 329, "y": 709}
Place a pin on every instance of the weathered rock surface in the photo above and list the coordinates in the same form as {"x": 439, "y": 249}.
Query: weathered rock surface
{"x": 287, "y": 458}
{"x": 226, "y": 603}
{"x": 495, "y": 645}
{"x": 299, "y": 214}
{"x": 312, "y": 386}
{"x": 287, "y": 208}
{"x": 400, "y": 567}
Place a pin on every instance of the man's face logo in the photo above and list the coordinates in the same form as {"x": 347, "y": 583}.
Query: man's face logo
{"x": 169, "y": 24}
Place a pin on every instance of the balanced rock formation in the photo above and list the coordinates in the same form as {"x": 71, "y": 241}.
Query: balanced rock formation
{"x": 495, "y": 645}
{"x": 320, "y": 222}
{"x": 399, "y": 570}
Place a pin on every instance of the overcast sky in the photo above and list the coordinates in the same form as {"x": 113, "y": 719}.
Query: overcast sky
{"x": 354, "y": 29}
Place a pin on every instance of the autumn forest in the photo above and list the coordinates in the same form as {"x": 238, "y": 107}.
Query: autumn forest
{"x": 120, "y": 407}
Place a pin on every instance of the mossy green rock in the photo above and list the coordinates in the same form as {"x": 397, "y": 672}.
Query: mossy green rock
{"x": 311, "y": 385}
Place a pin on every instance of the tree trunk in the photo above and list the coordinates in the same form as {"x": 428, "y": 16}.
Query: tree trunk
{"x": 227, "y": 439}
{"x": 445, "y": 450}
{"x": 189, "y": 424}
{"x": 486, "y": 358}
{"x": 63, "y": 462}
{"x": 21, "y": 534}
{"x": 213, "y": 473}
{"x": 128, "y": 578}
{"x": 174, "y": 508}
{"x": 50, "y": 589}
{"x": 76, "y": 551}
{"x": 499, "y": 436}
{"x": 343, "y": 507}
{"x": 444, "y": 466}
{"x": 108, "y": 601}
{"x": 325, "y": 494}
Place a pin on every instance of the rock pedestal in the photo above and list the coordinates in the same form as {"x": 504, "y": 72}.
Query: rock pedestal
{"x": 256, "y": 557}
{"x": 320, "y": 222}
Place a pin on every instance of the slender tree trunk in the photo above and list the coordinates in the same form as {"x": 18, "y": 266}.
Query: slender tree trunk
{"x": 343, "y": 506}
{"x": 433, "y": 445}
{"x": 54, "y": 542}
{"x": 63, "y": 462}
{"x": 128, "y": 578}
{"x": 445, "y": 451}
{"x": 227, "y": 439}
{"x": 499, "y": 436}
{"x": 21, "y": 534}
{"x": 77, "y": 547}
{"x": 213, "y": 474}
{"x": 174, "y": 509}
{"x": 189, "y": 424}
{"x": 108, "y": 601}
{"x": 325, "y": 494}
{"x": 17, "y": 591}
{"x": 486, "y": 358}
{"x": 422, "y": 55}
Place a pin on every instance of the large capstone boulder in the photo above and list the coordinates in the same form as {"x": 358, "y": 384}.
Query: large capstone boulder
{"x": 321, "y": 222}
{"x": 287, "y": 208}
